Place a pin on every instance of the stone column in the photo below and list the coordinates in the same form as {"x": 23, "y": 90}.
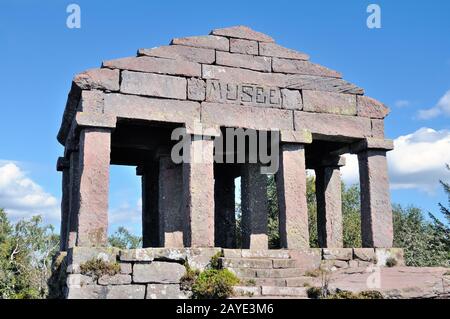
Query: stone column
{"x": 376, "y": 210}
{"x": 254, "y": 206}
{"x": 225, "y": 219}
{"x": 329, "y": 203}
{"x": 171, "y": 219}
{"x": 64, "y": 167}
{"x": 198, "y": 191}
{"x": 150, "y": 213}
{"x": 95, "y": 148}
{"x": 291, "y": 189}
{"x": 74, "y": 197}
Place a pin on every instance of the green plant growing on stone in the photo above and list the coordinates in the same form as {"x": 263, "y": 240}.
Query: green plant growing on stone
{"x": 313, "y": 273}
{"x": 97, "y": 267}
{"x": 391, "y": 262}
{"x": 251, "y": 282}
{"x": 214, "y": 263}
{"x": 214, "y": 284}
{"x": 189, "y": 278}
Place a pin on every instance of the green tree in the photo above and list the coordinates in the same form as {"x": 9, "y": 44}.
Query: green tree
{"x": 26, "y": 251}
{"x": 123, "y": 239}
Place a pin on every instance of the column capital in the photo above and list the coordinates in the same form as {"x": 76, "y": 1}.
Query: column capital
{"x": 94, "y": 120}
{"x": 372, "y": 144}
{"x": 301, "y": 136}
{"x": 203, "y": 129}
{"x": 62, "y": 164}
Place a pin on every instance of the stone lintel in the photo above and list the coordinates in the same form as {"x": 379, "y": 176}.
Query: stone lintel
{"x": 332, "y": 161}
{"x": 373, "y": 144}
{"x": 301, "y": 136}
{"x": 62, "y": 163}
{"x": 203, "y": 129}
{"x": 83, "y": 119}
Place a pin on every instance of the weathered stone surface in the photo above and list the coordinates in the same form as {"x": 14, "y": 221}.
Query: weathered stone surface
{"x": 181, "y": 52}
{"x": 242, "y": 32}
{"x": 376, "y": 211}
{"x": 232, "y": 253}
{"x": 161, "y": 291}
{"x": 155, "y": 65}
{"x": 95, "y": 120}
{"x": 137, "y": 107}
{"x": 158, "y": 272}
{"x": 299, "y": 282}
{"x": 292, "y": 81}
{"x": 265, "y": 253}
{"x": 275, "y": 50}
{"x": 119, "y": 279}
{"x": 200, "y": 258}
{"x": 302, "y": 67}
{"x": 331, "y": 126}
{"x": 292, "y": 99}
{"x": 372, "y": 108}
{"x": 329, "y": 207}
{"x": 150, "y": 254}
{"x": 205, "y": 41}
{"x": 377, "y": 128}
{"x": 171, "y": 220}
{"x": 337, "y": 253}
{"x": 245, "y": 61}
{"x": 243, "y": 272}
{"x": 198, "y": 192}
{"x": 243, "y": 46}
{"x": 196, "y": 89}
{"x": 300, "y": 136}
{"x": 246, "y": 263}
{"x": 247, "y": 117}
{"x": 284, "y": 263}
{"x": 383, "y": 254}
{"x": 333, "y": 264}
{"x": 95, "y": 148}
{"x": 353, "y": 264}
{"x": 78, "y": 280}
{"x": 91, "y": 101}
{"x": 245, "y": 94}
{"x": 291, "y": 187}
{"x": 279, "y": 273}
{"x": 328, "y": 102}
{"x": 104, "y": 292}
{"x": 247, "y": 291}
{"x": 364, "y": 254}
{"x": 307, "y": 259}
{"x": 153, "y": 85}
{"x": 100, "y": 79}
{"x": 284, "y": 291}
{"x": 254, "y": 207}
{"x": 126, "y": 268}
{"x": 371, "y": 143}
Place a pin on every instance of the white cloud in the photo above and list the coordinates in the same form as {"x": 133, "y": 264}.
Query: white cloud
{"x": 418, "y": 161}
{"x": 127, "y": 215}
{"x": 402, "y": 103}
{"x": 21, "y": 197}
{"x": 441, "y": 108}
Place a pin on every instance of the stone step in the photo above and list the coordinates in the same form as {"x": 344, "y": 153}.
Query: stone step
{"x": 256, "y": 253}
{"x": 284, "y": 291}
{"x": 267, "y": 273}
{"x": 261, "y": 263}
{"x": 280, "y": 282}
{"x": 245, "y": 263}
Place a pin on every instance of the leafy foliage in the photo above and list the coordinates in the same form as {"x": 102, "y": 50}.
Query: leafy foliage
{"x": 98, "y": 267}
{"x": 123, "y": 239}
{"x": 26, "y": 251}
{"x": 214, "y": 284}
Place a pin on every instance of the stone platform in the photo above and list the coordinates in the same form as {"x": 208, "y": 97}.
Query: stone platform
{"x": 155, "y": 273}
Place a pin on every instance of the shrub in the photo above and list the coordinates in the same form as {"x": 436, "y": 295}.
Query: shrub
{"x": 314, "y": 292}
{"x": 189, "y": 278}
{"x": 391, "y": 262}
{"x": 214, "y": 284}
{"x": 98, "y": 267}
{"x": 370, "y": 294}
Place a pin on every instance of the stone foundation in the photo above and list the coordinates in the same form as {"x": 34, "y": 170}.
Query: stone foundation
{"x": 155, "y": 273}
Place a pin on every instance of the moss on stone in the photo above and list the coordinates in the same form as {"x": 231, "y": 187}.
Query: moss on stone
{"x": 98, "y": 267}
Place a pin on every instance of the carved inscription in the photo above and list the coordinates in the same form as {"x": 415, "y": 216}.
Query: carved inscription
{"x": 245, "y": 94}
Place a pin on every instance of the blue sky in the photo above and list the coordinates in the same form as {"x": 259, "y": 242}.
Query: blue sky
{"x": 405, "y": 64}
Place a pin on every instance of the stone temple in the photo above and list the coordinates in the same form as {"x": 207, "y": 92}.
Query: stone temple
{"x": 124, "y": 112}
